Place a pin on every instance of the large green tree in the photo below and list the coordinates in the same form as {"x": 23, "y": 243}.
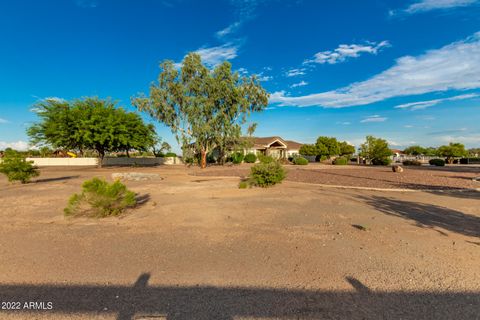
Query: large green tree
{"x": 204, "y": 108}
{"x": 375, "y": 150}
{"x": 452, "y": 150}
{"x": 90, "y": 124}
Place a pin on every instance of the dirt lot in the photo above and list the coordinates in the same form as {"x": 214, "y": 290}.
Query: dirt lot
{"x": 419, "y": 178}
{"x": 200, "y": 248}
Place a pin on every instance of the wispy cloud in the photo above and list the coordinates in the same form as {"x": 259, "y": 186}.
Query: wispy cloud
{"x": 429, "y": 103}
{"x": 344, "y": 123}
{"x": 299, "y": 84}
{"x": 16, "y": 145}
{"x": 453, "y": 67}
{"x": 374, "y": 118}
{"x": 213, "y": 56}
{"x": 347, "y": 51}
{"x": 3, "y": 121}
{"x": 428, "y": 5}
{"x": 295, "y": 72}
{"x": 244, "y": 11}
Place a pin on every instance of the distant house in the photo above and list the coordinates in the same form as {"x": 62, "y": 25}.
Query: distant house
{"x": 275, "y": 147}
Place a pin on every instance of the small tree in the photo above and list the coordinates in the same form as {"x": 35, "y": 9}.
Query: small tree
{"x": 452, "y": 151}
{"x": 327, "y": 146}
{"x": 17, "y": 168}
{"x": 204, "y": 108}
{"x": 375, "y": 150}
{"x": 346, "y": 149}
{"x": 308, "y": 150}
{"x": 415, "y": 151}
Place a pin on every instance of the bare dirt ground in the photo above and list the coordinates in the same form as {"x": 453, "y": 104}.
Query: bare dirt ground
{"x": 200, "y": 248}
{"x": 424, "y": 177}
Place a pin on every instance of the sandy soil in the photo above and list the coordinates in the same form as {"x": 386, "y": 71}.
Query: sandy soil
{"x": 200, "y": 248}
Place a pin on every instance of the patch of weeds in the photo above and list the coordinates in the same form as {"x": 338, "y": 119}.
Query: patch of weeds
{"x": 100, "y": 199}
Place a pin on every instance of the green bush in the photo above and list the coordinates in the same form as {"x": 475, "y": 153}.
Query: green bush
{"x": 100, "y": 199}
{"x": 171, "y": 154}
{"x": 237, "y": 157}
{"x": 17, "y": 168}
{"x": 267, "y": 174}
{"x": 437, "y": 162}
{"x": 301, "y": 161}
{"x": 250, "y": 158}
{"x": 381, "y": 162}
{"x": 265, "y": 159}
{"x": 411, "y": 163}
{"x": 340, "y": 161}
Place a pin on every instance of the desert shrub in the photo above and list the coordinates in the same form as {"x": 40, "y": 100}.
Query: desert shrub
{"x": 250, "y": 158}
{"x": 300, "y": 161}
{"x": 412, "y": 163}
{"x": 237, "y": 157}
{"x": 265, "y": 159}
{"x": 437, "y": 162}
{"x": 17, "y": 168}
{"x": 340, "y": 161}
{"x": 267, "y": 174}
{"x": 100, "y": 199}
{"x": 170, "y": 154}
{"x": 382, "y": 162}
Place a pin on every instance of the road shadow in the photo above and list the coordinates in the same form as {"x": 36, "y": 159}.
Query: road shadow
{"x": 427, "y": 215}
{"x": 142, "y": 301}
{"x": 56, "y": 179}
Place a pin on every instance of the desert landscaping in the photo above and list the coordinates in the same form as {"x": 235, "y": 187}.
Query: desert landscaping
{"x": 196, "y": 243}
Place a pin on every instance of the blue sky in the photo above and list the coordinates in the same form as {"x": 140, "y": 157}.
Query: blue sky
{"x": 407, "y": 71}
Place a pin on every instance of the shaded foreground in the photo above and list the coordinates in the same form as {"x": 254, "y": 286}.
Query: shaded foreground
{"x": 141, "y": 301}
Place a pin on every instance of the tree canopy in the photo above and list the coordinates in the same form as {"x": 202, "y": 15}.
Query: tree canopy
{"x": 452, "y": 150}
{"x": 204, "y": 108}
{"x": 375, "y": 150}
{"x": 327, "y": 147}
{"x": 90, "y": 124}
{"x": 415, "y": 150}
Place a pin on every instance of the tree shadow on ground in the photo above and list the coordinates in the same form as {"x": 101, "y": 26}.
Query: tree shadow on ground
{"x": 427, "y": 215}
{"x": 56, "y": 179}
{"x": 142, "y": 301}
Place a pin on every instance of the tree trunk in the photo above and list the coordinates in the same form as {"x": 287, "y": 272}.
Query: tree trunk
{"x": 101, "y": 155}
{"x": 203, "y": 160}
{"x": 128, "y": 154}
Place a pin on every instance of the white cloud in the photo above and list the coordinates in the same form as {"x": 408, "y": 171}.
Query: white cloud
{"x": 427, "y": 5}
{"x": 228, "y": 30}
{"x": 471, "y": 139}
{"x": 295, "y": 72}
{"x": 299, "y": 84}
{"x": 374, "y": 118}
{"x": 216, "y": 55}
{"x": 3, "y": 120}
{"x": 408, "y": 126}
{"x": 263, "y": 77}
{"x": 429, "y": 103}
{"x": 16, "y": 145}
{"x": 346, "y": 51}
{"x": 345, "y": 123}
{"x": 453, "y": 67}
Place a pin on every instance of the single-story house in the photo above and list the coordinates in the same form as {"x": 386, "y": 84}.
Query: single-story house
{"x": 273, "y": 146}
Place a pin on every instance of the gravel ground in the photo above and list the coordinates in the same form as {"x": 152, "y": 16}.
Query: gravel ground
{"x": 375, "y": 177}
